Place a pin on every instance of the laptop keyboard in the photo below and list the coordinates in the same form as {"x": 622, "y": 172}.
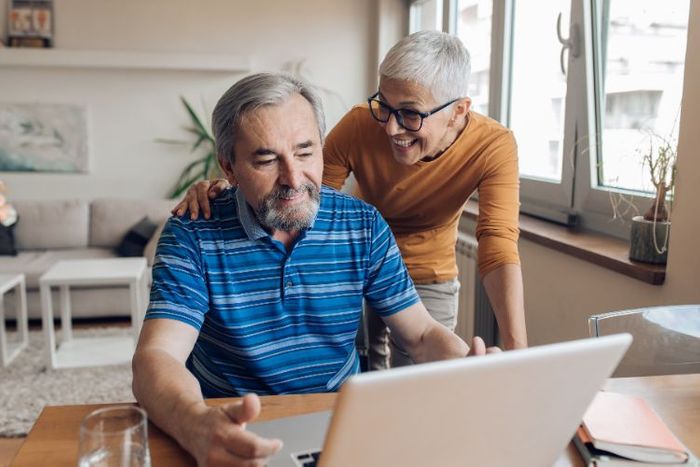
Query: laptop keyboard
{"x": 307, "y": 459}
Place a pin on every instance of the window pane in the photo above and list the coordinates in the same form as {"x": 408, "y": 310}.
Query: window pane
{"x": 426, "y": 16}
{"x": 641, "y": 61}
{"x": 474, "y": 28}
{"x": 538, "y": 87}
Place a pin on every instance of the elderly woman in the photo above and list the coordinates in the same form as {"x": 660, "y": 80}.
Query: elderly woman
{"x": 418, "y": 152}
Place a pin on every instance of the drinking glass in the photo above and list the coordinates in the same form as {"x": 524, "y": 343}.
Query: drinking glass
{"x": 114, "y": 437}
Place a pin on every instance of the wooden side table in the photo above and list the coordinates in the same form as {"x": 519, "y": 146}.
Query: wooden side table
{"x": 94, "y": 351}
{"x": 10, "y": 350}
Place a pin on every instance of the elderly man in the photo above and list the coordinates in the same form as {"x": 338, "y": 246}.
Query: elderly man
{"x": 265, "y": 296}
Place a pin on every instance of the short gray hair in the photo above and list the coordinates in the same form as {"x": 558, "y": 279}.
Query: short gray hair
{"x": 251, "y": 93}
{"x": 435, "y": 60}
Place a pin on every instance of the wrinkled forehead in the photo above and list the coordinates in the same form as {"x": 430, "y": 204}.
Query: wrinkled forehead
{"x": 294, "y": 111}
{"x": 280, "y": 125}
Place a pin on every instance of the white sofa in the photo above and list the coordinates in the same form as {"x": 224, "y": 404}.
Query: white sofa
{"x": 53, "y": 230}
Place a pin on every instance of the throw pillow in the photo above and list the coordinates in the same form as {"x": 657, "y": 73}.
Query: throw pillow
{"x": 7, "y": 240}
{"x": 136, "y": 238}
{"x": 150, "y": 251}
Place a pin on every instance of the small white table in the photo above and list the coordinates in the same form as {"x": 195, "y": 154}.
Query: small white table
{"x": 95, "y": 351}
{"x": 9, "y": 350}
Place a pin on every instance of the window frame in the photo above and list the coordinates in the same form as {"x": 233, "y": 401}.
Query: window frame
{"x": 578, "y": 200}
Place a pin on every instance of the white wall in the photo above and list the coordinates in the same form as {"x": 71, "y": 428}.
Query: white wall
{"x": 128, "y": 110}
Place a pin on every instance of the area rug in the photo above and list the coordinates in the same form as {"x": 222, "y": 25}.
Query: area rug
{"x": 26, "y": 385}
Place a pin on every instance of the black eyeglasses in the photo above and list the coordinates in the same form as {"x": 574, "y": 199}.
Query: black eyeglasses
{"x": 411, "y": 120}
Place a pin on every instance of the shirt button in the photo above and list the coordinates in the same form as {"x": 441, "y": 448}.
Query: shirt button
{"x": 289, "y": 284}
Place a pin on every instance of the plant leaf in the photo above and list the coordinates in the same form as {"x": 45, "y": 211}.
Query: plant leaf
{"x": 201, "y": 167}
{"x": 197, "y": 143}
{"x": 194, "y": 117}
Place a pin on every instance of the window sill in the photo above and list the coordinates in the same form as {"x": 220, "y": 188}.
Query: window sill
{"x": 602, "y": 250}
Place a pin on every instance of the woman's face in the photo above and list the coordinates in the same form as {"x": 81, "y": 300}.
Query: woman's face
{"x": 439, "y": 130}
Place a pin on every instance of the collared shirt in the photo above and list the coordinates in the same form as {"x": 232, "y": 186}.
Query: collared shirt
{"x": 273, "y": 321}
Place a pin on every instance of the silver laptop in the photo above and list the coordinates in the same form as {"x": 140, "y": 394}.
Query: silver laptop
{"x": 517, "y": 408}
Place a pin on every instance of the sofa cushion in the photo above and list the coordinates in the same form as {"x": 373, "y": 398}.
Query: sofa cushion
{"x": 111, "y": 219}
{"x": 48, "y": 224}
{"x": 137, "y": 238}
{"x": 7, "y": 240}
{"x": 35, "y": 263}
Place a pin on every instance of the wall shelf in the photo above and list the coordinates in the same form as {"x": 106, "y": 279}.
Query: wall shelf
{"x": 117, "y": 59}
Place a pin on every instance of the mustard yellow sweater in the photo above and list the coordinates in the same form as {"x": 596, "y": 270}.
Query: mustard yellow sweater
{"x": 423, "y": 202}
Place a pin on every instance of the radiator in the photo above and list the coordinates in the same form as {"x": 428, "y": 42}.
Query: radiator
{"x": 474, "y": 313}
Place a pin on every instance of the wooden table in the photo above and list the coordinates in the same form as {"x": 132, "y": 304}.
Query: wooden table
{"x": 54, "y": 437}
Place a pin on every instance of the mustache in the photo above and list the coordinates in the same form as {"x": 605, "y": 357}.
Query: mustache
{"x": 285, "y": 192}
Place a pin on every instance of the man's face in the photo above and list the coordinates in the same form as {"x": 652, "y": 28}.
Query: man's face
{"x": 438, "y": 130}
{"x": 278, "y": 164}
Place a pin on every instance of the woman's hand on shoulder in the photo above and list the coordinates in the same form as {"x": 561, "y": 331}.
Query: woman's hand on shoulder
{"x": 197, "y": 198}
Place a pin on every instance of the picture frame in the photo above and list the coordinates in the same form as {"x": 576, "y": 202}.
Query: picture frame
{"x": 30, "y": 23}
{"x": 42, "y": 137}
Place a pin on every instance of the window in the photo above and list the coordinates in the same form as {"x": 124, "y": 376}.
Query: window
{"x": 426, "y": 15}
{"x": 585, "y": 85}
{"x": 642, "y": 51}
{"x": 473, "y": 26}
{"x": 538, "y": 88}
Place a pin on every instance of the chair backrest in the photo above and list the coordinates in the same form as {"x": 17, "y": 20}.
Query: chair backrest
{"x": 666, "y": 339}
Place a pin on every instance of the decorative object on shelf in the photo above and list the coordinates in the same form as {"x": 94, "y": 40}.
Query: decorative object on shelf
{"x": 204, "y": 167}
{"x": 650, "y": 233}
{"x": 43, "y": 138}
{"x": 30, "y": 23}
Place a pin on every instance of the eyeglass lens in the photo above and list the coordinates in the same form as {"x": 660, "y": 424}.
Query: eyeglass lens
{"x": 406, "y": 118}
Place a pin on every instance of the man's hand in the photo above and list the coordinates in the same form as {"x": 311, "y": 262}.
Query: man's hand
{"x": 478, "y": 348}
{"x": 218, "y": 436}
{"x": 198, "y": 196}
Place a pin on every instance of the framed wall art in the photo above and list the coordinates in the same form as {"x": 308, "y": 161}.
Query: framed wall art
{"x": 43, "y": 138}
{"x": 30, "y": 23}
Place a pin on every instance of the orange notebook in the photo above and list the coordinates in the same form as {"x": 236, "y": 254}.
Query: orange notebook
{"x": 626, "y": 426}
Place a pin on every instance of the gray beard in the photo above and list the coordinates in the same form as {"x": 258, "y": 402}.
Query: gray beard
{"x": 288, "y": 219}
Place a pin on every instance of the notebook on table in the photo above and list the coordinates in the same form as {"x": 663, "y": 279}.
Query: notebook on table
{"x": 520, "y": 408}
{"x": 623, "y": 430}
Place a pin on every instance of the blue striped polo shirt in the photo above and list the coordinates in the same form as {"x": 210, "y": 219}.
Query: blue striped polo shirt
{"x": 273, "y": 321}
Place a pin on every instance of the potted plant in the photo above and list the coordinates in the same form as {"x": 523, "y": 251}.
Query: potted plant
{"x": 206, "y": 166}
{"x": 650, "y": 233}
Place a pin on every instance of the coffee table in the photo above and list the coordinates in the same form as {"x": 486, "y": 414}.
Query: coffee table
{"x": 10, "y": 349}
{"x": 94, "y": 351}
